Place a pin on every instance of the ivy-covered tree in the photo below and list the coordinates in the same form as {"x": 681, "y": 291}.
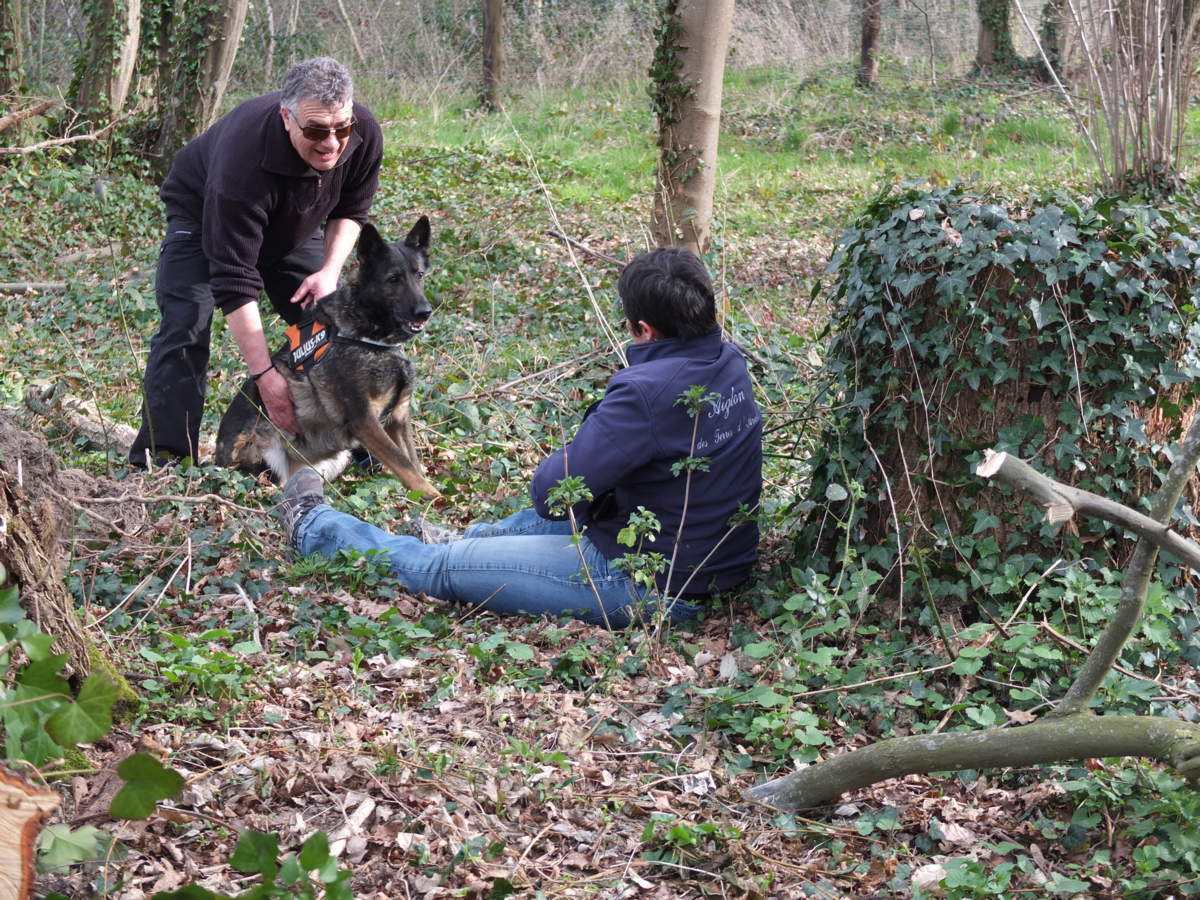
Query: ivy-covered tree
{"x": 969, "y": 338}
{"x": 104, "y": 68}
{"x": 686, "y": 80}
{"x": 12, "y": 61}
{"x": 188, "y": 53}
{"x": 995, "y": 51}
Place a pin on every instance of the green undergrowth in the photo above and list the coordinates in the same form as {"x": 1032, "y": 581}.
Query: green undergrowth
{"x": 1061, "y": 329}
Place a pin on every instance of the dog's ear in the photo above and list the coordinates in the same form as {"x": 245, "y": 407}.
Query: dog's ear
{"x": 370, "y": 242}
{"x": 418, "y": 238}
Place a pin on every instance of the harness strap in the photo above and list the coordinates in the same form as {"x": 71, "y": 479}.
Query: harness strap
{"x": 364, "y": 342}
{"x": 308, "y": 340}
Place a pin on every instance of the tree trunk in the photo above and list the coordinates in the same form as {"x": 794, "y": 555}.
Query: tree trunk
{"x": 1070, "y": 732}
{"x": 1051, "y": 37}
{"x": 12, "y": 59}
{"x": 493, "y": 54}
{"x": 995, "y": 52}
{"x": 105, "y": 66}
{"x": 687, "y": 75}
{"x": 196, "y": 52}
{"x": 38, "y": 509}
{"x": 868, "y": 59}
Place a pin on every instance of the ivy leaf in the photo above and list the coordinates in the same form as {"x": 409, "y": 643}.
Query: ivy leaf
{"x": 60, "y": 846}
{"x": 191, "y": 892}
{"x": 146, "y": 782}
{"x": 10, "y": 606}
{"x": 256, "y": 853}
{"x": 835, "y": 493}
{"x": 89, "y": 718}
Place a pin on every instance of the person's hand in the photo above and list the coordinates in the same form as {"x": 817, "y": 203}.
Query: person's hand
{"x": 277, "y": 400}
{"x": 314, "y": 287}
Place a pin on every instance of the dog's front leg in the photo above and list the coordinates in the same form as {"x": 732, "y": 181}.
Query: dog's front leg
{"x": 371, "y": 435}
{"x": 399, "y": 429}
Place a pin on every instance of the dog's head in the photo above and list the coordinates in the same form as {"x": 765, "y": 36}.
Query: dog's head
{"x": 387, "y": 300}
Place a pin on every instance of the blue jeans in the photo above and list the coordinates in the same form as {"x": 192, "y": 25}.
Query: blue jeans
{"x": 522, "y": 564}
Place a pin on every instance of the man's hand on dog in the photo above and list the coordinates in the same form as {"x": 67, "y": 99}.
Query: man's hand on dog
{"x": 275, "y": 397}
{"x": 312, "y": 289}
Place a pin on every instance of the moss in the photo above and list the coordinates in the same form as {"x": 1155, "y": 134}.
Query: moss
{"x": 128, "y": 700}
{"x": 75, "y": 762}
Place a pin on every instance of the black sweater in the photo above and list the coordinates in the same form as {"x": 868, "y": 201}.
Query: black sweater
{"x": 256, "y": 200}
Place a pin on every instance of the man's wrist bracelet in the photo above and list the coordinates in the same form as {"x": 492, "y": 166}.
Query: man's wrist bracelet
{"x": 262, "y": 373}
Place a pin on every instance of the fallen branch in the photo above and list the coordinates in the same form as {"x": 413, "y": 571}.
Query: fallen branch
{"x": 62, "y": 142}
{"x": 30, "y": 287}
{"x": 1062, "y": 502}
{"x": 15, "y": 118}
{"x": 585, "y": 249}
{"x": 1056, "y": 740}
{"x": 53, "y": 402}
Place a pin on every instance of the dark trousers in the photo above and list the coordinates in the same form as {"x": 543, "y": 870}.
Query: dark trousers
{"x": 176, "y": 378}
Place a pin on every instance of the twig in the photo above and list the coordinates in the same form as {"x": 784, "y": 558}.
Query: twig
{"x": 13, "y": 118}
{"x": 1075, "y": 645}
{"x": 573, "y": 361}
{"x": 557, "y": 235}
{"x": 60, "y": 142}
{"x": 871, "y": 681}
{"x": 174, "y": 498}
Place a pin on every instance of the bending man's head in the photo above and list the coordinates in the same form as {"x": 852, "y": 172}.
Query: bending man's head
{"x": 317, "y": 106}
{"x": 669, "y": 289}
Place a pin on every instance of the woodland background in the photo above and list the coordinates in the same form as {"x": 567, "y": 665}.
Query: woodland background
{"x": 443, "y": 753}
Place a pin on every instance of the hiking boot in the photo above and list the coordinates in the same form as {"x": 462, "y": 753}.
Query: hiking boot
{"x": 303, "y": 492}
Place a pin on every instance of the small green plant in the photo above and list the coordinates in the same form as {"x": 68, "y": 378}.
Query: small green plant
{"x": 670, "y": 839}
{"x": 307, "y": 875}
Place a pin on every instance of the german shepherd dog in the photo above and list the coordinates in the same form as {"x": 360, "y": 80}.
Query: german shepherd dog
{"x": 350, "y": 381}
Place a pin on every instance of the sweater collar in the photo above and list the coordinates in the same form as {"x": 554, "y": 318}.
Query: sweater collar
{"x": 705, "y": 347}
{"x": 280, "y": 157}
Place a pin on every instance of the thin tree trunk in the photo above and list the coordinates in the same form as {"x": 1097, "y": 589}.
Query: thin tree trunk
{"x": 868, "y": 58}
{"x": 12, "y": 55}
{"x": 493, "y": 54}
{"x": 688, "y": 72}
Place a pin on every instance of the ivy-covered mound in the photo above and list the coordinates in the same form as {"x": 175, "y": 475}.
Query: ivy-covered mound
{"x": 1063, "y": 330}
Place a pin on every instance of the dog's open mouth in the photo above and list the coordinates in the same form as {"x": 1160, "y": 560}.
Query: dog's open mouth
{"x": 415, "y": 327}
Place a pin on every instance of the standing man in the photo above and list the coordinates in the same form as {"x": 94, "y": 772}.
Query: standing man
{"x": 631, "y": 452}
{"x": 245, "y": 203}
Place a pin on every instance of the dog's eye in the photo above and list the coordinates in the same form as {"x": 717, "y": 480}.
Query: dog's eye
{"x": 395, "y": 277}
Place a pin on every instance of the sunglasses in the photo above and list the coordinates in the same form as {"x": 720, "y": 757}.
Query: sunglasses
{"x": 317, "y": 134}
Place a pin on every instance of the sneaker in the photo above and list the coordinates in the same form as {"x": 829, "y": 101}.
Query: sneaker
{"x": 303, "y": 492}
{"x": 431, "y": 532}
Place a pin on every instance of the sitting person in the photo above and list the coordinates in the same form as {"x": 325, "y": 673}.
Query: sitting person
{"x": 626, "y": 451}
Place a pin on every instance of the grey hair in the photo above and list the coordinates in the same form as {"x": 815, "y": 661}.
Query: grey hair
{"x": 323, "y": 79}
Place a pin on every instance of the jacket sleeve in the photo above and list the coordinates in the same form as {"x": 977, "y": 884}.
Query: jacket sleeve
{"x": 232, "y": 239}
{"x": 362, "y": 181}
{"x": 616, "y": 438}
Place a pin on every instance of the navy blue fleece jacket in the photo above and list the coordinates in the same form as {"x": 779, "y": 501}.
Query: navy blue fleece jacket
{"x": 625, "y": 448}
